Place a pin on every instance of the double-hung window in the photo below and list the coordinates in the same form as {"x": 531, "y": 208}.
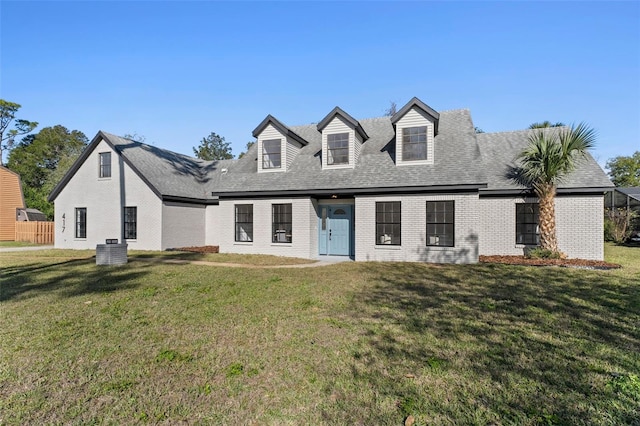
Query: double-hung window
{"x": 271, "y": 154}
{"x": 414, "y": 143}
{"x": 244, "y": 222}
{"x": 105, "y": 165}
{"x": 338, "y": 148}
{"x": 388, "y": 223}
{"x": 527, "y": 219}
{"x": 440, "y": 223}
{"x": 81, "y": 222}
{"x": 130, "y": 223}
{"x": 281, "y": 223}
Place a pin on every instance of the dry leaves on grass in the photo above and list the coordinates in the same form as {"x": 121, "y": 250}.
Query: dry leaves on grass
{"x": 201, "y": 249}
{"x": 568, "y": 263}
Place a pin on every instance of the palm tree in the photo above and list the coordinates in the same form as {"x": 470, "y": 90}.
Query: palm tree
{"x": 550, "y": 156}
{"x": 545, "y": 124}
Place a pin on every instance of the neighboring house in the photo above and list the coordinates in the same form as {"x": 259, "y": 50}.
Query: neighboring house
{"x": 418, "y": 186}
{"x": 30, "y": 215}
{"x": 11, "y": 198}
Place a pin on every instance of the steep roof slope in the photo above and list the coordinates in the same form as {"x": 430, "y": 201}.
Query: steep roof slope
{"x": 463, "y": 159}
{"x": 458, "y": 162}
{"x": 500, "y": 152}
{"x": 168, "y": 174}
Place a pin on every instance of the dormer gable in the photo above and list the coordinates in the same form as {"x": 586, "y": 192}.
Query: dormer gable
{"x": 416, "y": 125}
{"x": 278, "y": 145}
{"x": 421, "y": 106}
{"x": 342, "y": 139}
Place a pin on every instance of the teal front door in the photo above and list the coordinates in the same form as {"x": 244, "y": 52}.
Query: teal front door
{"x": 334, "y": 230}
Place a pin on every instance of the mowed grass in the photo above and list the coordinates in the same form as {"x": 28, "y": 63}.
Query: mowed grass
{"x": 354, "y": 343}
{"x": 9, "y": 244}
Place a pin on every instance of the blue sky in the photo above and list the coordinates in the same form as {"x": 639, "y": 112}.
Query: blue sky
{"x": 176, "y": 71}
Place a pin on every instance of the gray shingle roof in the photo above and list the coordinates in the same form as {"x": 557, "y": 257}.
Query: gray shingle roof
{"x": 458, "y": 162}
{"x": 500, "y": 152}
{"x": 170, "y": 173}
{"x": 349, "y": 119}
{"x": 462, "y": 159}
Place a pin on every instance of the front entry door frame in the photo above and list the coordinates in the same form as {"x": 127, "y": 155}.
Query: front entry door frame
{"x": 335, "y": 229}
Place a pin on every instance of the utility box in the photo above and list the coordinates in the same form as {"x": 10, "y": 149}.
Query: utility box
{"x": 111, "y": 253}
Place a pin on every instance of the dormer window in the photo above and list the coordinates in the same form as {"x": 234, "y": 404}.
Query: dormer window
{"x": 338, "y": 148}
{"x": 272, "y": 154}
{"x": 342, "y": 139}
{"x": 416, "y": 126}
{"x": 277, "y": 144}
{"x": 414, "y": 143}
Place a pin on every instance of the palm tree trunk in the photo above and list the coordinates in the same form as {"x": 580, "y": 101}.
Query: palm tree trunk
{"x": 547, "y": 194}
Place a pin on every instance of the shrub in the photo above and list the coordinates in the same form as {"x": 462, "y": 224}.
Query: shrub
{"x": 540, "y": 253}
{"x": 617, "y": 224}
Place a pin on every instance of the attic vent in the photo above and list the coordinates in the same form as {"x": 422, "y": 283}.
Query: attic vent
{"x": 224, "y": 171}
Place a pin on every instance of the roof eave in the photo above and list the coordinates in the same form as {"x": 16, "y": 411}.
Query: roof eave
{"x": 282, "y": 128}
{"x": 353, "y": 191}
{"x": 528, "y": 192}
{"x": 337, "y": 111}
{"x": 415, "y": 102}
{"x": 100, "y": 136}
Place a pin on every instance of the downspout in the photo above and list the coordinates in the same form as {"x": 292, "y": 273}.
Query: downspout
{"x": 122, "y": 198}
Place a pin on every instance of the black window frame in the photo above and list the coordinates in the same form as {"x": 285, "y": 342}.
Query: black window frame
{"x": 441, "y": 223}
{"x": 282, "y": 223}
{"x": 104, "y": 166}
{"x": 130, "y": 223}
{"x": 268, "y": 153}
{"x": 388, "y": 217}
{"x": 528, "y": 219}
{"x": 243, "y": 222}
{"x": 412, "y": 137}
{"x": 342, "y": 152}
{"x": 80, "y": 222}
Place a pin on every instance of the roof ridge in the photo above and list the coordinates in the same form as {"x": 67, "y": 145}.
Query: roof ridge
{"x": 544, "y": 129}
{"x": 155, "y": 147}
{"x": 384, "y": 116}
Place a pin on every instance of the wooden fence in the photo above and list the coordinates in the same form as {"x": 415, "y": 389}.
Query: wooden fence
{"x": 35, "y": 232}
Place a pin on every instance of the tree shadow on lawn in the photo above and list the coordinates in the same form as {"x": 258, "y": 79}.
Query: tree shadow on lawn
{"x": 75, "y": 277}
{"x": 552, "y": 330}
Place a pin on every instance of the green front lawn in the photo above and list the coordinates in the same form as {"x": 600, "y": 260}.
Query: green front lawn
{"x": 354, "y": 343}
{"x": 17, "y": 244}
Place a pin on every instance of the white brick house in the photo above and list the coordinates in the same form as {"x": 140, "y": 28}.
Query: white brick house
{"x": 418, "y": 186}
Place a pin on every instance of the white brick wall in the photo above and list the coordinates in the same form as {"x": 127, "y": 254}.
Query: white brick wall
{"x": 103, "y": 201}
{"x": 183, "y": 225}
{"x": 213, "y": 225}
{"x": 304, "y": 228}
{"x": 579, "y": 223}
{"x": 413, "y": 246}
